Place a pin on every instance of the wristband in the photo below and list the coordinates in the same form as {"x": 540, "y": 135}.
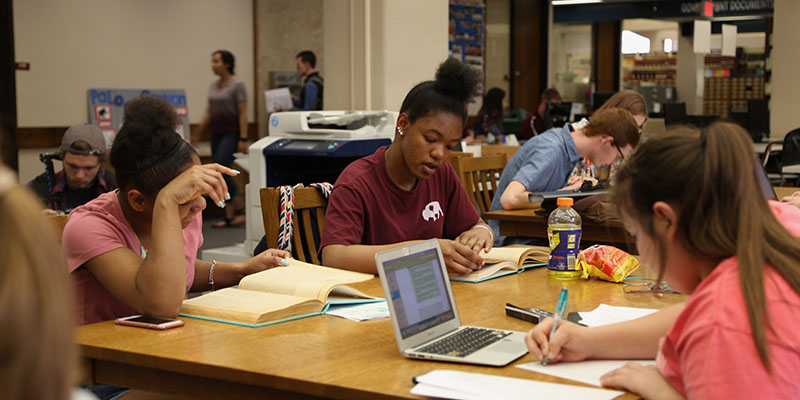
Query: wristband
{"x": 242, "y": 139}
{"x": 491, "y": 233}
{"x": 211, "y": 274}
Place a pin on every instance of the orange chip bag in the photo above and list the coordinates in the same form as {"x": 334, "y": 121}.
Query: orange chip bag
{"x": 607, "y": 263}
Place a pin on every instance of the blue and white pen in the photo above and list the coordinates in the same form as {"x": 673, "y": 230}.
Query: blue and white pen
{"x": 561, "y": 307}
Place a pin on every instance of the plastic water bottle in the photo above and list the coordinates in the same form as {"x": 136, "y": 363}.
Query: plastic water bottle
{"x": 564, "y": 233}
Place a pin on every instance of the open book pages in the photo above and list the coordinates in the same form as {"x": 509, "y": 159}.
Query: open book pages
{"x": 305, "y": 280}
{"x": 298, "y": 289}
{"x": 504, "y": 260}
{"x": 249, "y": 307}
{"x": 520, "y": 255}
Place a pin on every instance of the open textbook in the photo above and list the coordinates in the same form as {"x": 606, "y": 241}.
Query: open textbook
{"x": 279, "y": 294}
{"x": 501, "y": 261}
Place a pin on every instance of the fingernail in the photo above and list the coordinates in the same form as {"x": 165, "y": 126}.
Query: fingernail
{"x": 235, "y": 171}
{"x": 227, "y": 196}
{"x": 221, "y": 204}
{"x": 284, "y": 261}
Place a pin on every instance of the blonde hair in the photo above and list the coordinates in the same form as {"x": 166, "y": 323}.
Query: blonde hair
{"x": 711, "y": 178}
{"x": 36, "y": 307}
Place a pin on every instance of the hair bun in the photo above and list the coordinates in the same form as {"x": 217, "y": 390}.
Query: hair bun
{"x": 457, "y": 80}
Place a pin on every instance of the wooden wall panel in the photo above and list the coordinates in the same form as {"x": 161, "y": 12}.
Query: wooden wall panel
{"x": 606, "y": 53}
{"x": 50, "y": 136}
{"x": 529, "y": 33}
{"x": 8, "y": 87}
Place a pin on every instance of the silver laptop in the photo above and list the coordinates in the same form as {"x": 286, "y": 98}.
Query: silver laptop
{"x": 424, "y": 313}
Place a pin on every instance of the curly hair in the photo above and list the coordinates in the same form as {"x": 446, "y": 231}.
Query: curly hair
{"x": 455, "y": 83}
{"x": 147, "y": 152}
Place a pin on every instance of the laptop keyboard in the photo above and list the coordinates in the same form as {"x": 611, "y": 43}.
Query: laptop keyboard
{"x": 464, "y": 342}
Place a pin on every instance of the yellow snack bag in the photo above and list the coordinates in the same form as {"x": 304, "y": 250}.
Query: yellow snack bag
{"x": 607, "y": 263}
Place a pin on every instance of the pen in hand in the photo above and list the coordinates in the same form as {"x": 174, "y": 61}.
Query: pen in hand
{"x": 561, "y": 307}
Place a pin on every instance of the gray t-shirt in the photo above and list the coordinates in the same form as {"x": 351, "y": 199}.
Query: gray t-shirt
{"x": 222, "y": 105}
{"x": 542, "y": 164}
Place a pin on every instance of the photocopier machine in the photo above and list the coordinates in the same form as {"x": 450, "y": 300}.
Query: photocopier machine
{"x": 303, "y": 147}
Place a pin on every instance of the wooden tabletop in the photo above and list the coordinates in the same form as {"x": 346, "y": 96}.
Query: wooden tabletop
{"x": 782, "y": 192}
{"x": 530, "y": 224}
{"x": 322, "y": 356}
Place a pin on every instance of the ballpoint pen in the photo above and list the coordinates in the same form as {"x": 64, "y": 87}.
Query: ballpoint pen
{"x": 560, "y": 309}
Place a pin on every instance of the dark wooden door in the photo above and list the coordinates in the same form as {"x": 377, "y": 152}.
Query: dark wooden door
{"x": 529, "y": 33}
{"x": 606, "y": 53}
{"x": 8, "y": 88}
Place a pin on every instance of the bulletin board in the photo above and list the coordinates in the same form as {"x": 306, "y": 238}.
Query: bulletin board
{"x": 107, "y": 106}
{"x": 467, "y": 35}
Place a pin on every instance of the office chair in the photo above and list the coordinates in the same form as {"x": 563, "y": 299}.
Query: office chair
{"x": 790, "y": 156}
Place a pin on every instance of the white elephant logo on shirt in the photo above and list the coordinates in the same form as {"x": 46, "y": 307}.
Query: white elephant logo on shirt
{"x": 432, "y": 210}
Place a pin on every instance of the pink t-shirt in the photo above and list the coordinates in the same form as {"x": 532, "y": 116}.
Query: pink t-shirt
{"x": 710, "y": 353}
{"x": 96, "y": 228}
{"x": 366, "y": 207}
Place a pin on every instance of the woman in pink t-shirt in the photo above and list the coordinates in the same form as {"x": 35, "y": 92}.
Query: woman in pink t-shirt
{"x": 693, "y": 201}
{"x": 133, "y": 251}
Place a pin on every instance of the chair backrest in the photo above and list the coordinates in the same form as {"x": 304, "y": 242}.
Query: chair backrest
{"x": 765, "y": 156}
{"x": 454, "y": 155}
{"x": 508, "y": 150}
{"x": 307, "y": 221}
{"x": 479, "y": 176}
{"x": 790, "y": 154}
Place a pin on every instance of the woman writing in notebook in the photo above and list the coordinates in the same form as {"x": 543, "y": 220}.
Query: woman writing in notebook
{"x": 134, "y": 251}
{"x": 407, "y": 191}
{"x": 709, "y": 229}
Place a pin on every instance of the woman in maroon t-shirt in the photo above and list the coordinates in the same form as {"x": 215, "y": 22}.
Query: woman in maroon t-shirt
{"x": 406, "y": 191}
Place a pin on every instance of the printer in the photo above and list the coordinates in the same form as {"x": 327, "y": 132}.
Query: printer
{"x": 305, "y": 147}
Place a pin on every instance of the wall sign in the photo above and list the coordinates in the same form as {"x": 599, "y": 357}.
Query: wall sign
{"x": 467, "y": 35}
{"x": 107, "y": 106}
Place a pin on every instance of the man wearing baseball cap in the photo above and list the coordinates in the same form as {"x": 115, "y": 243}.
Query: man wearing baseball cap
{"x": 83, "y": 149}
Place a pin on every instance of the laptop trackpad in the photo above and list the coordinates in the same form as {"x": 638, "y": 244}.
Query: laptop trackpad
{"x": 508, "y": 346}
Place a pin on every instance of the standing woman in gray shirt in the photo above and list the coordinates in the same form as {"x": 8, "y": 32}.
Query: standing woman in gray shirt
{"x": 226, "y": 117}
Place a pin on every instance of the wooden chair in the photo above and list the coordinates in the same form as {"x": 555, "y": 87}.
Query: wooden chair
{"x": 490, "y": 149}
{"x": 307, "y": 221}
{"x": 454, "y": 155}
{"x": 479, "y": 176}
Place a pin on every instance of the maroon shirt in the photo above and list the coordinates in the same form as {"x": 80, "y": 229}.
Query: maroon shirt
{"x": 366, "y": 207}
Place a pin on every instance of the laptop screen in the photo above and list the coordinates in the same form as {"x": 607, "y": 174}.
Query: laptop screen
{"x": 420, "y": 298}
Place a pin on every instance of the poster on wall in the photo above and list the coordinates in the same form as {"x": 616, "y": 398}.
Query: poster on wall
{"x": 107, "y": 106}
{"x": 467, "y": 35}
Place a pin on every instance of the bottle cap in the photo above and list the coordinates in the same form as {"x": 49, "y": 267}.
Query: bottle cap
{"x": 564, "y": 201}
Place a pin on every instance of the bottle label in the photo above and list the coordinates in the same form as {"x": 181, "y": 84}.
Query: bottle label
{"x": 563, "y": 248}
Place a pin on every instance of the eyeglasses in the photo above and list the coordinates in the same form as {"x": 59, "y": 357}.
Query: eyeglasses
{"x": 621, "y": 156}
{"x": 634, "y": 284}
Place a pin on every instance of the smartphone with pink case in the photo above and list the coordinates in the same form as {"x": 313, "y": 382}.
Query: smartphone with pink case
{"x": 145, "y": 321}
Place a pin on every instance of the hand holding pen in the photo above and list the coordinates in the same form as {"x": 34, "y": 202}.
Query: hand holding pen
{"x": 560, "y": 309}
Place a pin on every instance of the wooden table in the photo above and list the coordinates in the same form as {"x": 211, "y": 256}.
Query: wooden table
{"x": 528, "y": 223}
{"x": 782, "y": 191}
{"x": 321, "y": 356}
